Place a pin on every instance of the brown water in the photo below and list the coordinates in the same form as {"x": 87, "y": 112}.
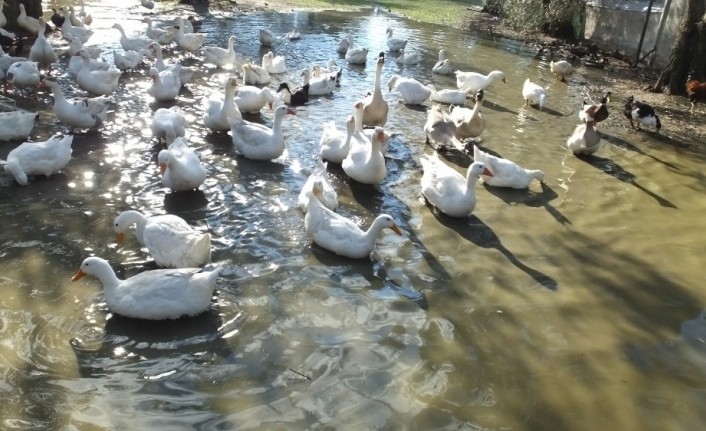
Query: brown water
{"x": 574, "y": 306}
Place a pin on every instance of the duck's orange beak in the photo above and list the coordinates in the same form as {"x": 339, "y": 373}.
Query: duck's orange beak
{"x": 119, "y": 238}
{"x": 504, "y": 82}
{"x": 79, "y": 275}
{"x": 381, "y": 136}
{"x": 162, "y": 168}
{"x": 487, "y": 172}
{"x": 396, "y": 230}
{"x": 270, "y": 105}
{"x": 291, "y": 111}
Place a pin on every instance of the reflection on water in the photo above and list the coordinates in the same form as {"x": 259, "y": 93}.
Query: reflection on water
{"x": 569, "y": 305}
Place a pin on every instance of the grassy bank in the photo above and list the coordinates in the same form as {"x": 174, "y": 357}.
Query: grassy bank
{"x": 447, "y": 12}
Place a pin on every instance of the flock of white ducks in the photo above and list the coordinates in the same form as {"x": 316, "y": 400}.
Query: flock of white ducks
{"x": 186, "y": 289}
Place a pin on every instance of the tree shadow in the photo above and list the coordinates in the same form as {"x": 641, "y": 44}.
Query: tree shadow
{"x": 619, "y": 142}
{"x": 615, "y": 170}
{"x": 475, "y": 231}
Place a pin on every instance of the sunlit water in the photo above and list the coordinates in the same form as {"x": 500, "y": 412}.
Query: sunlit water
{"x": 573, "y": 306}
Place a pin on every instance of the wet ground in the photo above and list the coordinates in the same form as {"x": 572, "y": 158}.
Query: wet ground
{"x": 571, "y": 306}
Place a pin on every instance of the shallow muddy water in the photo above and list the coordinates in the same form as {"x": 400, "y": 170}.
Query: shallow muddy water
{"x": 572, "y": 306}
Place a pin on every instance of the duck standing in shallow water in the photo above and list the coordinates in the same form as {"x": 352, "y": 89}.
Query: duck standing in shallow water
{"x": 585, "y": 139}
{"x": 472, "y": 81}
{"x": 506, "y": 173}
{"x": 40, "y": 158}
{"x": 642, "y": 113}
{"x": 595, "y": 113}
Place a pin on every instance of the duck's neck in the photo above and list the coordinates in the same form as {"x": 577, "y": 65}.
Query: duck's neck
{"x": 306, "y": 78}
{"x": 140, "y": 222}
{"x": 378, "y": 78}
{"x": 230, "y": 44}
{"x": 58, "y": 94}
{"x": 149, "y": 25}
{"x": 108, "y": 279}
{"x": 374, "y": 230}
{"x": 86, "y": 62}
{"x": 535, "y": 173}
{"x": 441, "y": 56}
{"x": 180, "y": 31}
{"x": 359, "y": 120}
{"x": 476, "y": 108}
{"x": 277, "y": 128}
{"x": 471, "y": 180}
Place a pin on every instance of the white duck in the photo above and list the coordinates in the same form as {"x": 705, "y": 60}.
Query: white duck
{"x": 165, "y": 85}
{"x": 366, "y": 134}
{"x": 189, "y": 42}
{"x": 149, "y": 4}
{"x": 294, "y": 35}
{"x": 163, "y": 37}
{"x": 534, "y": 94}
{"x": 440, "y": 129}
{"x": 28, "y": 23}
{"x": 469, "y": 122}
{"x": 339, "y": 234}
{"x": 355, "y": 55}
{"x": 448, "y": 96}
{"x": 82, "y": 33}
{"x": 255, "y": 75}
{"x": 87, "y": 19}
{"x": 129, "y": 60}
{"x": 448, "y": 190}
{"x": 473, "y": 81}
{"x": 252, "y": 99}
{"x": 76, "y": 44}
{"x": 16, "y": 125}
{"x": 220, "y": 57}
{"x": 412, "y": 91}
{"x": 74, "y": 20}
{"x": 584, "y": 140}
{"x": 334, "y": 143}
{"x": 102, "y": 82}
{"x": 318, "y": 73}
{"x": 257, "y": 142}
{"x": 394, "y": 43}
{"x": 560, "y": 68}
{"x": 365, "y": 162}
{"x": 154, "y": 295}
{"x": 169, "y": 239}
{"x": 403, "y": 58}
{"x": 23, "y": 74}
{"x": 319, "y": 86}
{"x": 443, "y": 66}
{"x": 86, "y": 113}
{"x": 76, "y": 64}
{"x": 38, "y": 158}
{"x": 506, "y": 173}
{"x": 219, "y": 109}
{"x": 132, "y": 43}
{"x": 375, "y": 107}
{"x": 342, "y": 47}
{"x": 6, "y": 61}
{"x": 275, "y": 64}
{"x": 266, "y": 37}
{"x": 42, "y": 51}
{"x": 185, "y": 73}
{"x": 180, "y": 167}
{"x": 328, "y": 196}
{"x": 169, "y": 120}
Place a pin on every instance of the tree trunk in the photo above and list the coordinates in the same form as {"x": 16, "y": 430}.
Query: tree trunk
{"x": 689, "y": 51}
{"x": 12, "y": 11}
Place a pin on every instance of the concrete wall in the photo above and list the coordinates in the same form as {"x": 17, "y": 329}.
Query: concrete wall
{"x": 618, "y": 26}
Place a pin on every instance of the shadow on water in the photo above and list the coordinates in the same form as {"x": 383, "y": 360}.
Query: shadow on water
{"x": 186, "y": 201}
{"x": 475, "y": 231}
{"x": 615, "y": 170}
{"x": 498, "y": 108}
{"x": 530, "y": 198}
{"x": 619, "y": 142}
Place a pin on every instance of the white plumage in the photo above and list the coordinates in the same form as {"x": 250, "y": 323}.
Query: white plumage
{"x": 40, "y": 158}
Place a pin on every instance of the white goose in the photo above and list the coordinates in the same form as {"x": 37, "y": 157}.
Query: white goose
{"x": 319, "y": 86}
{"x": 220, "y": 57}
{"x": 585, "y": 139}
{"x": 180, "y": 167}
{"x": 328, "y": 196}
{"x": 355, "y": 55}
{"x": 275, "y": 64}
{"x": 28, "y": 23}
{"x": 469, "y": 122}
{"x": 257, "y": 142}
{"x": 375, "y": 107}
{"x": 169, "y": 239}
{"x": 23, "y": 74}
{"x": 560, "y": 68}
{"x": 166, "y": 121}
{"x": 334, "y": 143}
{"x": 394, "y": 43}
{"x": 403, "y": 58}
{"x": 534, "y": 94}
{"x": 129, "y": 60}
{"x": 163, "y": 37}
{"x": 448, "y": 190}
{"x": 6, "y": 61}
{"x": 16, "y": 125}
{"x": 132, "y": 43}
{"x": 76, "y": 64}
{"x": 38, "y": 158}
{"x": 101, "y": 82}
{"x": 365, "y": 135}
{"x": 412, "y": 91}
{"x": 42, "y": 51}
{"x": 443, "y": 66}
{"x": 365, "y": 162}
{"x": 185, "y": 73}
{"x": 219, "y": 110}
{"x": 294, "y": 35}
{"x": 506, "y": 173}
{"x": 252, "y": 99}
{"x": 189, "y": 42}
{"x": 473, "y": 81}
{"x": 448, "y": 96}
{"x": 76, "y": 44}
{"x": 154, "y": 295}
{"x": 342, "y": 47}
{"x": 255, "y": 75}
{"x": 267, "y": 38}
{"x": 82, "y": 33}
{"x": 74, "y": 20}
{"x": 440, "y": 129}
{"x": 339, "y": 234}
{"x": 165, "y": 85}
{"x": 87, "y": 113}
